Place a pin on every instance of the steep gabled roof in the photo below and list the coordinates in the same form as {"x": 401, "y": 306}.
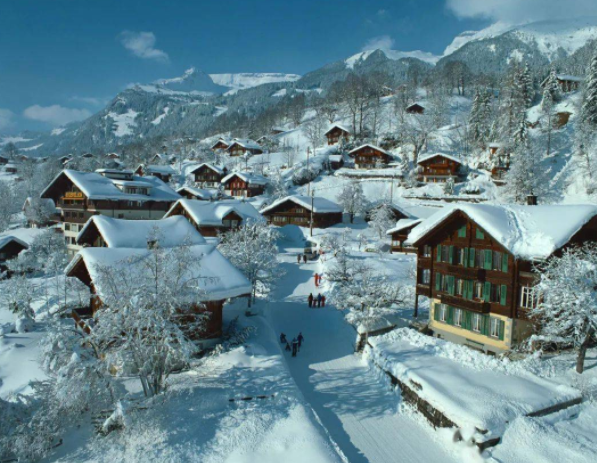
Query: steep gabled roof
{"x": 320, "y": 205}
{"x": 212, "y": 213}
{"x": 199, "y": 193}
{"x": 338, "y": 126}
{"x": 224, "y": 140}
{"x": 217, "y": 169}
{"x": 246, "y": 143}
{"x": 369, "y": 145}
{"x": 404, "y": 224}
{"x": 5, "y": 240}
{"x": 249, "y": 177}
{"x": 157, "y": 169}
{"x": 528, "y": 232}
{"x": 121, "y": 233}
{"x": 427, "y": 156}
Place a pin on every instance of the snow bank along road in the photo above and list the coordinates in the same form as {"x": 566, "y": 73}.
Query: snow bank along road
{"x": 358, "y": 410}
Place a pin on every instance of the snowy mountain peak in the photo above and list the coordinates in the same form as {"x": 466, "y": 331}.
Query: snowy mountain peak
{"x": 393, "y": 55}
{"x": 244, "y": 80}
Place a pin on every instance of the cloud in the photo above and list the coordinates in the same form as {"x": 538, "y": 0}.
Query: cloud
{"x": 141, "y": 44}
{"x": 520, "y": 11}
{"x": 6, "y": 118}
{"x": 90, "y": 100}
{"x": 55, "y": 115}
{"x": 383, "y": 42}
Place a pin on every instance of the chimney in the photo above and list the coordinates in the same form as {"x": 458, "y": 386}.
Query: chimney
{"x": 531, "y": 200}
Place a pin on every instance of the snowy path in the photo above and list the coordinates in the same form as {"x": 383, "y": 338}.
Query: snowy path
{"x": 356, "y": 408}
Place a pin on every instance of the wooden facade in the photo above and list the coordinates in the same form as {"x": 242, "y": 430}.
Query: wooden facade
{"x": 208, "y": 176}
{"x": 220, "y": 145}
{"x": 237, "y": 149}
{"x": 336, "y": 134}
{"x": 230, "y": 221}
{"x": 438, "y": 169}
{"x": 237, "y": 187}
{"x": 291, "y": 213}
{"x": 369, "y": 157}
{"x": 400, "y": 236}
{"x": 415, "y": 108}
{"x": 480, "y": 292}
{"x": 9, "y": 249}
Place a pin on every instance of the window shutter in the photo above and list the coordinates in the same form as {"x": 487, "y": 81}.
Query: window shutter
{"x": 438, "y": 281}
{"x": 504, "y": 262}
{"x": 502, "y": 328}
{"x": 451, "y": 285}
{"x": 450, "y": 319}
{"x": 471, "y": 257}
{"x": 486, "y": 291}
{"x": 485, "y": 321}
{"x": 503, "y": 294}
{"x": 436, "y": 312}
{"x": 451, "y": 254}
{"x": 439, "y": 252}
{"x": 488, "y": 259}
{"x": 467, "y": 320}
{"x": 465, "y": 260}
{"x": 462, "y": 232}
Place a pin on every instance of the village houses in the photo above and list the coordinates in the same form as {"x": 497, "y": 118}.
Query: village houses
{"x": 438, "y": 168}
{"x": 369, "y": 156}
{"x": 303, "y": 211}
{"x": 244, "y": 184}
{"x": 337, "y": 134}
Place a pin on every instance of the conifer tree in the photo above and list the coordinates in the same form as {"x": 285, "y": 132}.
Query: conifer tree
{"x": 589, "y": 106}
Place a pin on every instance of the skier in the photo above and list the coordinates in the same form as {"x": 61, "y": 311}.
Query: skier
{"x": 316, "y": 279}
{"x": 298, "y": 258}
{"x": 305, "y": 258}
{"x": 287, "y": 347}
{"x": 282, "y": 338}
{"x": 319, "y": 300}
{"x": 300, "y": 341}
{"x": 310, "y": 300}
{"x": 322, "y": 301}
{"x": 295, "y": 344}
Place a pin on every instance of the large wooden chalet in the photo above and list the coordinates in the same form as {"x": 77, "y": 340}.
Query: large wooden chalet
{"x": 240, "y": 147}
{"x": 337, "y": 133}
{"x": 114, "y": 193}
{"x": 369, "y": 156}
{"x": 438, "y": 168}
{"x": 213, "y": 217}
{"x": 300, "y": 210}
{"x": 244, "y": 184}
{"x": 475, "y": 263}
{"x": 10, "y": 247}
{"x": 123, "y": 244}
{"x": 207, "y": 175}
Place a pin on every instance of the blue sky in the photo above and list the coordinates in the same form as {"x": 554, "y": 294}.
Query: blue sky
{"x": 61, "y": 60}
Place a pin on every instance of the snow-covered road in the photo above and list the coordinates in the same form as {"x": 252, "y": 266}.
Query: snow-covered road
{"x": 359, "y": 411}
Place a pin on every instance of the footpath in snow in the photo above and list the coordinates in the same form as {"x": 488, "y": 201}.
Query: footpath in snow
{"x": 359, "y": 411}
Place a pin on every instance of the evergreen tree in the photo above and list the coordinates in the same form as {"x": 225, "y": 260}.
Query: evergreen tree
{"x": 589, "y": 106}
{"x": 551, "y": 91}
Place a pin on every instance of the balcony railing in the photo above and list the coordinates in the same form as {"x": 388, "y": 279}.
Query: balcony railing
{"x": 460, "y": 302}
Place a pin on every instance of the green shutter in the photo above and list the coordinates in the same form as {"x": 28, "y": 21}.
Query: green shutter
{"x": 462, "y": 232}
{"x": 479, "y": 234}
{"x": 471, "y": 257}
{"x": 504, "y": 262}
{"x": 451, "y": 285}
{"x": 451, "y": 254}
{"x": 465, "y": 260}
{"x": 485, "y": 325}
{"x": 488, "y": 259}
{"x": 486, "y": 291}
{"x": 439, "y": 252}
{"x": 436, "y": 312}
{"x": 503, "y": 294}
{"x": 438, "y": 281}
{"x": 502, "y": 329}
{"x": 467, "y": 320}
{"x": 450, "y": 318}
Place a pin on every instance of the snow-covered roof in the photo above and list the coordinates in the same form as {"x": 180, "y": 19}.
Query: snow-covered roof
{"x": 528, "y": 232}
{"x": 249, "y": 177}
{"x": 215, "y": 274}
{"x": 400, "y": 209}
{"x": 246, "y": 143}
{"x": 335, "y": 157}
{"x": 122, "y": 233}
{"x": 96, "y": 186}
{"x": 199, "y": 193}
{"x": 427, "y": 156}
{"x": 320, "y": 205}
{"x": 211, "y": 213}
{"x": 6, "y": 239}
{"x": 369, "y": 145}
{"x": 403, "y": 224}
{"x": 339, "y": 126}
{"x": 156, "y": 169}
{"x": 225, "y": 140}
{"x": 217, "y": 169}
{"x": 569, "y": 77}
{"x": 114, "y": 171}
{"x": 412, "y": 105}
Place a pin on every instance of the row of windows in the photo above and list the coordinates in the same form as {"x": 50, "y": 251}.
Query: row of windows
{"x": 470, "y": 289}
{"x": 479, "y": 234}
{"x": 470, "y": 257}
{"x": 475, "y": 322}
{"x": 73, "y": 227}
{"x": 70, "y": 240}
{"x": 74, "y": 214}
{"x": 284, "y": 219}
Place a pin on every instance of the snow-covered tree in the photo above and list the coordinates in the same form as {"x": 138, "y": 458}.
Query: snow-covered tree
{"x": 589, "y": 106}
{"x": 8, "y": 204}
{"x": 551, "y": 91}
{"x": 567, "y": 309}
{"x": 18, "y": 294}
{"x": 449, "y": 187}
{"x": 382, "y": 219}
{"x": 278, "y": 186}
{"x": 253, "y": 250}
{"x": 526, "y": 175}
{"x": 352, "y": 199}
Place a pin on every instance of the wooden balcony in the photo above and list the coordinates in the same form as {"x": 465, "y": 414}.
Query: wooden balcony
{"x": 423, "y": 290}
{"x": 467, "y": 304}
{"x": 459, "y": 271}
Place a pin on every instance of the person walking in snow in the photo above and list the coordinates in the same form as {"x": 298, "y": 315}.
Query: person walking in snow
{"x": 305, "y": 258}
{"x": 298, "y": 258}
{"x": 319, "y": 300}
{"x": 282, "y": 338}
{"x": 300, "y": 341}
{"x": 287, "y": 347}
{"x": 322, "y": 301}
{"x": 310, "y": 300}
{"x": 295, "y": 344}
{"x": 316, "y": 279}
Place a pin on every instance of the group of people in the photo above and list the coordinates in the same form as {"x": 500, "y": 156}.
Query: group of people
{"x": 302, "y": 257}
{"x": 296, "y": 343}
{"x": 318, "y": 277}
{"x": 318, "y": 301}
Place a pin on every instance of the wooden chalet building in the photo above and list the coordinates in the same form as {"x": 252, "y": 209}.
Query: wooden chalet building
{"x": 208, "y": 176}
{"x": 336, "y": 161}
{"x": 240, "y": 147}
{"x": 369, "y": 156}
{"x": 399, "y": 235}
{"x": 123, "y": 244}
{"x": 244, "y": 184}
{"x": 500, "y": 162}
{"x": 337, "y": 133}
{"x": 189, "y": 192}
{"x": 415, "y": 108}
{"x": 10, "y": 247}
{"x": 213, "y": 217}
{"x": 300, "y": 210}
{"x": 118, "y": 194}
{"x": 438, "y": 168}
{"x": 221, "y": 145}
{"x": 164, "y": 173}
{"x": 566, "y": 82}
{"x": 475, "y": 263}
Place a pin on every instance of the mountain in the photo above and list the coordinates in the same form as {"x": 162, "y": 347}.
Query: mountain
{"x": 393, "y": 55}
{"x": 246, "y": 80}
{"x": 192, "y": 81}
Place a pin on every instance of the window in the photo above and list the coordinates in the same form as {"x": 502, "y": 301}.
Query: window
{"x": 477, "y": 322}
{"x": 458, "y": 316}
{"x": 494, "y": 328}
{"x": 396, "y": 243}
{"x": 443, "y": 313}
{"x": 528, "y": 297}
{"x": 425, "y": 276}
{"x": 461, "y": 256}
{"x": 479, "y": 234}
{"x": 497, "y": 261}
{"x": 478, "y": 293}
{"x": 426, "y": 251}
{"x": 67, "y": 227}
{"x": 462, "y": 232}
{"x": 479, "y": 258}
{"x": 459, "y": 287}
{"x": 445, "y": 253}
